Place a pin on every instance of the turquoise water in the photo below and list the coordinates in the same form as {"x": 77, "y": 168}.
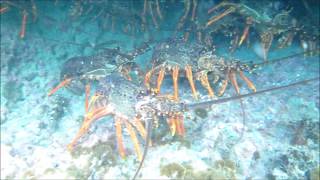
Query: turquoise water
{"x": 273, "y": 135}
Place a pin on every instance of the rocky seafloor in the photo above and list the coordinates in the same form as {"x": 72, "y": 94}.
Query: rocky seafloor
{"x": 280, "y": 139}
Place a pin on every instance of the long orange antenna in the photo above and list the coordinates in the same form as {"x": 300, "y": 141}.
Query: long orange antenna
{"x": 62, "y": 84}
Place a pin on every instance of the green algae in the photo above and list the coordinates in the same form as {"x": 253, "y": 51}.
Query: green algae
{"x": 222, "y": 169}
{"x": 78, "y": 173}
{"x": 102, "y": 151}
{"x": 315, "y": 174}
{"x": 97, "y": 151}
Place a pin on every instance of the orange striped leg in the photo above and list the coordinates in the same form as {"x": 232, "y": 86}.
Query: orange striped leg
{"x": 92, "y": 100}
{"x": 134, "y": 139}
{"x": 205, "y": 83}
{"x": 172, "y": 125}
{"x": 87, "y": 97}
{"x": 178, "y": 125}
{"x": 62, "y": 84}
{"x": 190, "y": 79}
{"x": 175, "y": 75}
{"x": 140, "y": 128}
{"x": 126, "y": 73}
{"x": 233, "y": 79}
{"x": 23, "y": 24}
{"x": 160, "y": 79}
{"x": 249, "y": 83}
{"x": 182, "y": 124}
{"x": 121, "y": 149}
{"x": 92, "y": 116}
{"x": 244, "y": 34}
{"x": 216, "y": 18}
{"x": 147, "y": 78}
{"x": 223, "y": 87}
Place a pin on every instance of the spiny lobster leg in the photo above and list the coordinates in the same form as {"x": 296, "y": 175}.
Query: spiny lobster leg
{"x": 23, "y": 24}
{"x": 34, "y": 10}
{"x": 266, "y": 40}
{"x": 154, "y": 20}
{"x": 187, "y": 7}
{"x": 194, "y": 9}
{"x": 199, "y": 36}
{"x": 248, "y": 82}
{"x": 62, "y": 84}
{"x": 134, "y": 139}
{"x": 244, "y": 34}
{"x": 4, "y": 9}
{"x": 175, "y": 75}
{"x": 178, "y": 126}
{"x": 224, "y": 84}
{"x": 172, "y": 125}
{"x": 147, "y": 79}
{"x": 216, "y": 18}
{"x": 126, "y": 73}
{"x": 182, "y": 124}
{"x": 87, "y": 98}
{"x": 89, "y": 119}
{"x": 188, "y": 70}
{"x": 218, "y": 6}
{"x": 92, "y": 100}
{"x": 158, "y": 10}
{"x": 143, "y": 16}
{"x": 233, "y": 79}
{"x": 118, "y": 126}
{"x": 205, "y": 83}
{"x": 246, "y": 30}
{"x": 160, "y": 79}
{"x": 186, "y": 36}
{"x": 140, "y": 128}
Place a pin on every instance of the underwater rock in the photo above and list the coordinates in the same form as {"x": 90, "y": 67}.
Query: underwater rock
{"x": 30, "y": 76}
{"x": 278, "y": 174}
{"x": 12, "y": 91}
{"x": 60, "y": 105}
{"x": 202, "y": 113}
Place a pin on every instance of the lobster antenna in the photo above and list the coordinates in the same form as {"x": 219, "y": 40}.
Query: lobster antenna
{"x": 148, "y": 139}
{"x": 288, "y": 57}
{"x": 207, "y": 104}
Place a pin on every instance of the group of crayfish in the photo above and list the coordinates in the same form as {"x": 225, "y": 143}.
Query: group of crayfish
{"x": 138, "y": 104}
{"x": 242, "y": 22}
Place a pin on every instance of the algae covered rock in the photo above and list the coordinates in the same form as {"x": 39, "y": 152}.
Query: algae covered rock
{"x": 223, "y": 169}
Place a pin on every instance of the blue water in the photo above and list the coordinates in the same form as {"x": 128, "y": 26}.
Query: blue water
{"x": 273, "y": 135}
